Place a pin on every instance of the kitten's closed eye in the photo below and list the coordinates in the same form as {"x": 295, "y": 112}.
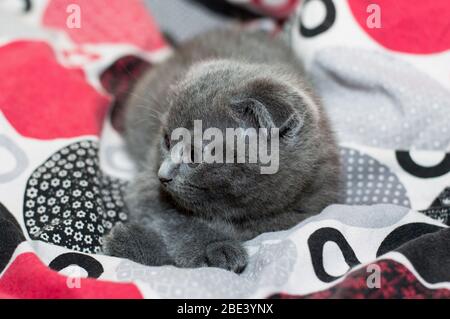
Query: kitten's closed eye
{"x": 167, "y": 140}
{"x": 192, "y": 154}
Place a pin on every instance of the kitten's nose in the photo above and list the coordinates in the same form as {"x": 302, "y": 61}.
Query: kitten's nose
{"x": 167, "y": 171}
{"x": 164, "y": 179}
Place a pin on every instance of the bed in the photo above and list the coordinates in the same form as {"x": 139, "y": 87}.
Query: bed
{"x": 381, "y": 69}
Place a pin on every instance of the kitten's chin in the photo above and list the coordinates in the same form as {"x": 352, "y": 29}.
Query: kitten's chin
{"x": 182, "y": 198}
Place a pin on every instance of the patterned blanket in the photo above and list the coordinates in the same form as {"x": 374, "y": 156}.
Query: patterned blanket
{"x": 382, "y": 71}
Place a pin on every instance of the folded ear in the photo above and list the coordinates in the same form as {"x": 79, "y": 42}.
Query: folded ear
{"x": 265, "y": 103}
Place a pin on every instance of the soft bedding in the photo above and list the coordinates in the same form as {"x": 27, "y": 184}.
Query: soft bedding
{"x": 63, "y": 168}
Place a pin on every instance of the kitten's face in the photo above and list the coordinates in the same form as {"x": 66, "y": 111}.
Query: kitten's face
{"x": 224, "y": 95}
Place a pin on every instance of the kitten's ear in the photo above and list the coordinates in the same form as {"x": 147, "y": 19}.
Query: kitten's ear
{"x": 265, "y": 103}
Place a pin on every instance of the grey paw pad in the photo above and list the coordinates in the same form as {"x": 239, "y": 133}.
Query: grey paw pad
{"x": 228, "y": 255}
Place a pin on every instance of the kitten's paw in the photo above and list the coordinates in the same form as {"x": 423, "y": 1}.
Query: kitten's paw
{"x": 136, "y": 243}
{"x": 229, "y": 255}
{"x": 191, "y": 261}
{"x": 115, "y": 243}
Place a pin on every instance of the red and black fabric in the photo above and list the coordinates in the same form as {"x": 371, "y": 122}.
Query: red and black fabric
{"x": 11, "y": 236}
{"x": 429, "y": 258}
{"x": 397, "y": 282}
{"x": 28, "y": 278}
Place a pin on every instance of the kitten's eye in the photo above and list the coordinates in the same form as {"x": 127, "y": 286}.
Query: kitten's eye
{"x": 167, "y": 140}
{"x": 192, "y": 155}
{"x": 192, "y": 163}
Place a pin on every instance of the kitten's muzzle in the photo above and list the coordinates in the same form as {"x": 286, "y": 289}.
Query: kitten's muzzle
{"x": 165, "y": 180}
{"x": 167, "y": 171}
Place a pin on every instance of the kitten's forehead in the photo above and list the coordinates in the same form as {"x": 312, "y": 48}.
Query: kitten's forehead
{"x": 210, "y": 116}
{"x": 207, "y": 90}
{"x": 208, "y": 67}
{"x": 205, "y": 68}
{"x": 211, "y": 77}
{"x": 205, "y": 94}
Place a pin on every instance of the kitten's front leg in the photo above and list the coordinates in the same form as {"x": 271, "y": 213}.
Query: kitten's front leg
{"x": 227, "y": 254}
{"x": 223, "y": 253}
{"x": 180, "y": 241}
{"x": 194, "y": 243}
{"x": 137, "y": 243}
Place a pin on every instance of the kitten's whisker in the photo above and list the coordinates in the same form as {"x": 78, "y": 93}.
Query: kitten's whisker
{"x": 139, "y": 121}
{"x": 153, "y": 113}
{"x": 138, "y": 96}
{"x": 149, "y": 101}
{"x": 149, "y": 109}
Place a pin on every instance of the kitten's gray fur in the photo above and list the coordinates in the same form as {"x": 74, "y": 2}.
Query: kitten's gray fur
{"x": 202, "y": 216}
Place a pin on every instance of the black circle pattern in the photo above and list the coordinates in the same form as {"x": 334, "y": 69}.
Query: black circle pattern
{"x": 93, "y": 267}
{"x": 27, "y": 6}
{"x": 407, "y": 163}
{"x": 328, "y": 22}
{"x": 69, "y": 202}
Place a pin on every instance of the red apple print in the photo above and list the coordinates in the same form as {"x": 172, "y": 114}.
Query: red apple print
{"x": 42, "y": 99}
{"x": 419, "y": 27}
{"x": 28, "y": 278}
{"x": 107, "y": 21}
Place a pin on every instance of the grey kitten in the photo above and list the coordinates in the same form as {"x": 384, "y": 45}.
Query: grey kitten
{"x": 199, "y": 215}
